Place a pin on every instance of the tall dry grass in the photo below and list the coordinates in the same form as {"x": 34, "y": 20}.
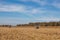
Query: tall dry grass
{"x": 29, "y": 33}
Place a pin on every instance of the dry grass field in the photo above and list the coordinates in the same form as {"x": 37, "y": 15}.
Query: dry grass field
{"x": 29, "y": 33}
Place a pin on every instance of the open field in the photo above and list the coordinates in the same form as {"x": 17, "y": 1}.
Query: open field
{"x": 29, "y": 33}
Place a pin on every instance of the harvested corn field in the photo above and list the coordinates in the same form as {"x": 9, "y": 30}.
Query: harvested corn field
{"x": 28, "y": 33}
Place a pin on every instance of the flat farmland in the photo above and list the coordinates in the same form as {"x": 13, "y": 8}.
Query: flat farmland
{"x": 29, "y": 33}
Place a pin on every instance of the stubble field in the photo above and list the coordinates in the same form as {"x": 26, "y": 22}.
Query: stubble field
{"x": 29, "y": 33}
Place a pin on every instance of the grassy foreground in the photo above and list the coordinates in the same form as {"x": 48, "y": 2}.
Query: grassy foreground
{"x": 29, "y": 33}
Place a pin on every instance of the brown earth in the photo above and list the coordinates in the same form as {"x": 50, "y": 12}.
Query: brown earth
{"x": 29, "y": 33}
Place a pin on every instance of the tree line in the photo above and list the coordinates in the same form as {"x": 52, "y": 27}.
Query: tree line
{"x": 41, "y": 24}
{"x": 35, "y": 24}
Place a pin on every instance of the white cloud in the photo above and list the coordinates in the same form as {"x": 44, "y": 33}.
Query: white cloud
{"x": 12, "y": 8}
{"x": 47, "y": 19}
{"x": 20, "y": 8}
{"x": 57, "y": 5}
{"x": 26, "y": 9}
{"x": 23, "y": 9}
{"x": 15, "y": 8}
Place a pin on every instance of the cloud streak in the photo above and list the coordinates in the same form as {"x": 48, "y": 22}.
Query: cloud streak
{"x": 55, "y": 3}
{"x": 21, "y": 9}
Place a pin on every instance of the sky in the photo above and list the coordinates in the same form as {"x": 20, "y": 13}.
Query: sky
{"x": 24, "y": 11}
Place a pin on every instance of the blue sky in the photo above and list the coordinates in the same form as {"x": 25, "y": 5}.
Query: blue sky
{"x": 25, "y": 11}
